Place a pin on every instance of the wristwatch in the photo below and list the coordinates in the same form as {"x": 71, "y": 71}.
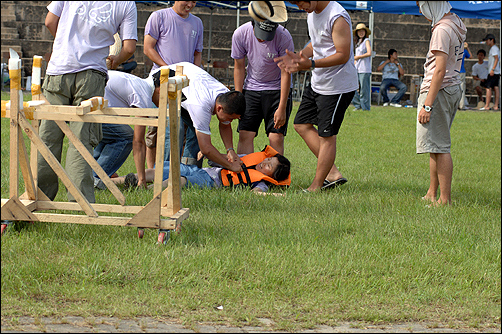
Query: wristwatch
{"x": 313, "y": 64}
{"x": 428, "y": 109}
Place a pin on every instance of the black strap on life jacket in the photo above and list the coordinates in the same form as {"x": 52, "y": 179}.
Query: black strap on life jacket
{"x": 246, "y": 174}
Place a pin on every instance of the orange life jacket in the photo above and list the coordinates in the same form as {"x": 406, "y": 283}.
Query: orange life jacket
{"x": 248, "y": 176}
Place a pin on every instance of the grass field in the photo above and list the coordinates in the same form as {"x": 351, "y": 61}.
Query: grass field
{"x": 369, "y": 251}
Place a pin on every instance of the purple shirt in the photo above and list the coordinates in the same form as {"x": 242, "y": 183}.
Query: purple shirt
{"x": 262, "y": 72}
{"x": 85, "y": 33}
{"x": 177, "y": 38}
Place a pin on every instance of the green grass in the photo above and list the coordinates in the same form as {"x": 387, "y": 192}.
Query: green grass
{"x": 369, "y": 251}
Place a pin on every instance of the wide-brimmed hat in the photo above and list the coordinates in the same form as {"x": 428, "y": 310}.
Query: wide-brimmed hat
{"x": 360, "y": 26}
{"x": 273, "y": 11}
{"x": 265, "y": 30}
{"x": 114, "y": 49}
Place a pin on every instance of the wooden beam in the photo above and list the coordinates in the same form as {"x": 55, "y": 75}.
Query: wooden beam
{"x": 91, "y": 161}
{"x": 102, "y": 220}
{"x": 56, "y": 166}
{"x": 15, "y": 210}
{"x": 95, "y": 118}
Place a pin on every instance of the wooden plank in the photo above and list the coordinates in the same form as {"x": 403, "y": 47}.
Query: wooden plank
{"x": 27, "y": 111}
{"x": 91, "y": 161}
{"x": 115, "y": 111}
{"x": 102, "y": 220}
{"x": 94, "y": 118}
{"x": 174, "y": 188}
{"x": 28, "y": 204}
{"x": 56, "y": 166}
{"x": 161, "y": 136}
{"x": 34, "y": 155}
{"x": 14, "y": 133}
{"x": 15, "y": 210}
{"x": 149, "y": 216}
{"x": 29, "y": 184}
{"x": 40, "y": 196}
{"x": 177, "y": 218}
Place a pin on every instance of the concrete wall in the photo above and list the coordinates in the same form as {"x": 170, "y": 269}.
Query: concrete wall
{"x": 406, "y": 33}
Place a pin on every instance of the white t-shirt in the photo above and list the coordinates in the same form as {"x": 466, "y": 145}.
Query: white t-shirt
{"x": 85, "y": 32}
{"x": 480, "y": 70}
{"x": 335, "y": 79}
{"x": 201, "y": 94}
{"x": 494, "y": 51}
{"x": 124, "y": 90}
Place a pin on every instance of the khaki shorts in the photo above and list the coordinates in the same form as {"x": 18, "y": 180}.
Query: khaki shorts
{"x": 151, "y": 137}
{"x": 434, "y": 136}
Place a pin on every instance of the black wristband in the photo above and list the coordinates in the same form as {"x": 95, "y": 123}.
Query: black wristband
{"x": 313, "y": 64}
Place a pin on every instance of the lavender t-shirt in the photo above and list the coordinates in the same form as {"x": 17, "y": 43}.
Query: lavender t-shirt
{"x": 124, "y": 90}
{"x": 262, "y": 72}
{"x": 177, "y": 38}
{"x": 85, "y": 32}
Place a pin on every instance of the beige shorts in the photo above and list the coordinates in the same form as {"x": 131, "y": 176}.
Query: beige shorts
{"x": 151, "y": 137}
{"x": 434, "y": 136}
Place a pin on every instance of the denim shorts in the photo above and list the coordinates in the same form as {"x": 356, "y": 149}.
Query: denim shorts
{"x": 196, "y": 176}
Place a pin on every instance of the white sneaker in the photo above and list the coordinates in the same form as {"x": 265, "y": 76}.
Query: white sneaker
{"x": 397, "y": 105}
{"x": 386, "y": 104}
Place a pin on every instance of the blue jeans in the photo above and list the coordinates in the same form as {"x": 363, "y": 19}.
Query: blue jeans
{"x": 384, "y": 86}
{"x": 196, "y": 176}
{"x": 113, "y": 150}
{"x": 362, "y": 98}
{"x": 189, "y": 154}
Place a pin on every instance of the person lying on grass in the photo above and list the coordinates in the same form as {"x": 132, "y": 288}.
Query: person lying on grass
{"x": 259, "y": 170}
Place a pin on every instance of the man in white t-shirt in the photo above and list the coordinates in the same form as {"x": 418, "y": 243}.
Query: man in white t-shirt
{"x": 492, "y": 82}
{"x": 205, "y": 97}
{"x": 124, "y": 90}
{"x": 480, "y": 73}
{"x": 83, "y": 33}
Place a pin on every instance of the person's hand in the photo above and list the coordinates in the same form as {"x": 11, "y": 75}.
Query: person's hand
{"x": 424, "y": 116}
{"x": 233, "y": 157}
{"x": 292, "y": 62}
{"x": 236, "y": 166}
{"x": 492, "y": 73}
{"x": 279, "y": 118}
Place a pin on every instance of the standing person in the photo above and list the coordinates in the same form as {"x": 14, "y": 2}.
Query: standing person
{"x": 480, "y": 73}
{"x": 392, "y": 70}
{"x": 362, "y": 60}
{"x": 333, "y": 83}
{"x": 83, "y": 32}
{"x": 467, "y": 54}
{"x": 266, "y": 87}
{"x": 494, "y": 75}
{"x": 173, "y": 35}
{"x": 124, "y": 90}
{"x": 440, "y": 96}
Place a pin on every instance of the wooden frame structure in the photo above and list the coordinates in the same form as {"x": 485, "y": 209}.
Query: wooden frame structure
{"x": 165, "y": 203}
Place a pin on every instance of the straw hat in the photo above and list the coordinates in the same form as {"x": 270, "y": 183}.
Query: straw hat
{"x": 360, "y": 26}
{"x": 273, "y": 11}
{"x": 114, "y": 49}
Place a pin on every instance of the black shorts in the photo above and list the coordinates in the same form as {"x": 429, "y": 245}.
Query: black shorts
{"x": 492, "y": 81}
{"x": 325, "y": 111}
{"x": 482, "y": 84}
{"x": 262, "y": 105}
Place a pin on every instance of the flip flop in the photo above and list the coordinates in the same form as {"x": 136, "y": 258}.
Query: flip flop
{"x": 332, "y": 184}
{"x": 130, "y": 181}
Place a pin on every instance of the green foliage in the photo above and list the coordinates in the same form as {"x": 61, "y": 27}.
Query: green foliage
{"x": 368, "y": 251}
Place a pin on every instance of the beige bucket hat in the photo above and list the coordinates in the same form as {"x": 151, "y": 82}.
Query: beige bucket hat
{"x": 273, "y": 11}
{"x": 360, "y": 26}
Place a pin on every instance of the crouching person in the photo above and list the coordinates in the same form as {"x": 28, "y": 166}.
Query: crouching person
{"x": 259, "y": 169}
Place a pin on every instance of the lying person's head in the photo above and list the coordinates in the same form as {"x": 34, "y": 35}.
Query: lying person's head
{"x": 276, "y": 167}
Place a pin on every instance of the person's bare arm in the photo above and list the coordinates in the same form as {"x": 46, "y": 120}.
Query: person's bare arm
{"x": 149, "y": 50}
{"x": 51, "y": 22}
{"x": 495, "y": 62}
{"x": 128, "y": 49}
{"x": 437, "y": 80}
{"x": 280, "y": 113}
{"x": 239, "y": 74}
{"x": 207, "y": 148}
{"x": 381, "y": 67}
{"x": 197, "y": 58}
